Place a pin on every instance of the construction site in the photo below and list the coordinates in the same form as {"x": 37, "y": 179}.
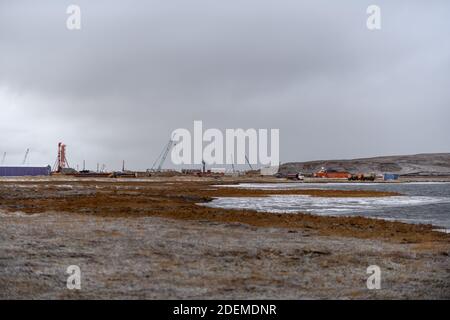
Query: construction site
{"x": 61, "y": 167}
{"x": 288, "y": 171}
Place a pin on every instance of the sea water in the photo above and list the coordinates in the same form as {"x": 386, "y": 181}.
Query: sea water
{"x": 419, "y": 202}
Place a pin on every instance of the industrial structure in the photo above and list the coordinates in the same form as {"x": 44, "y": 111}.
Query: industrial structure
{"x": 390, "y": 176}
{"x": 24, "y": 162}
{"x": 61, "y": 167}
{"x": 268, "y": 171}
{"x": 61, "y": 160}
{"x": 162, "y": 157}
{"x": 22, "y": 169}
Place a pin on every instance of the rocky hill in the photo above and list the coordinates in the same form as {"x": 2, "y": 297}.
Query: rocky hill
{"x": 434, "y": 164}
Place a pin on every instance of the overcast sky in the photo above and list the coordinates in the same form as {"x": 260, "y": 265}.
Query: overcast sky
{"x": 137, "y": 70}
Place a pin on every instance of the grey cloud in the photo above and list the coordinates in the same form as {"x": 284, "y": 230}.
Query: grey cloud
{"x": 136, "y": 71}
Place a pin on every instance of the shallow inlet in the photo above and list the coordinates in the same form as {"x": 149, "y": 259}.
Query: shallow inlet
{"x": 420, "y": 202}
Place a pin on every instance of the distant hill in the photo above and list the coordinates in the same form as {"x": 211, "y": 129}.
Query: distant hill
{"x": 419, "y": 164}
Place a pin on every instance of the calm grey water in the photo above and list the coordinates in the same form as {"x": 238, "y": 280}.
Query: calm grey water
{"x": 419, "y": 202}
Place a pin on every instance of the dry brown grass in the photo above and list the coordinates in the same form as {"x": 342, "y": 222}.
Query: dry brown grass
{"x": 179, "y": 200}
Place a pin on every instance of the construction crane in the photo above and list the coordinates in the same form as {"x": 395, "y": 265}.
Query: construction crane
{"x": 248, "y": 162}
{"x": 162, "y": 157}
{"x": 3, "y": 158}
{"x": 26, "y": 156}
{"x": 232, "y": 163}
{"x": 61, "y": 161}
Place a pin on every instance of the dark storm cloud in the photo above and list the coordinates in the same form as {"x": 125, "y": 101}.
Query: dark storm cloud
{"x": 136, "y": 71}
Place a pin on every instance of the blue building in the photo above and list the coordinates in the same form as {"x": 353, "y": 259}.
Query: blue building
{"x": 390, "y": 176}
{"x": 21, "y": 171}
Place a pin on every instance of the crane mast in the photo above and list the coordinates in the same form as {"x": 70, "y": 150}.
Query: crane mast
{"x": 248, "y": 162}
{"x": 162, "y": 157}
{"x": 166, "y": 152}
{"x": 26, "y": 156}
{"x": 61, "y": 161}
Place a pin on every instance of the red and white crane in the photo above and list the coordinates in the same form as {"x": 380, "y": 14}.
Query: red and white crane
{"x": 61, "y": 161}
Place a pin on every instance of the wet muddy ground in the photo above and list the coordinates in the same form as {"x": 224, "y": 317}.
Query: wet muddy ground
{"x": 151, "y": 239}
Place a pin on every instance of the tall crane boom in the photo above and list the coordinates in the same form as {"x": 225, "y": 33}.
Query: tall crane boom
{"x": 61, "y": 161}
{"x": 162, "y": 157}
{"x": 166, "y": 152}
{"x": 248, "y": 162}
{"x": 26, "y": 156}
